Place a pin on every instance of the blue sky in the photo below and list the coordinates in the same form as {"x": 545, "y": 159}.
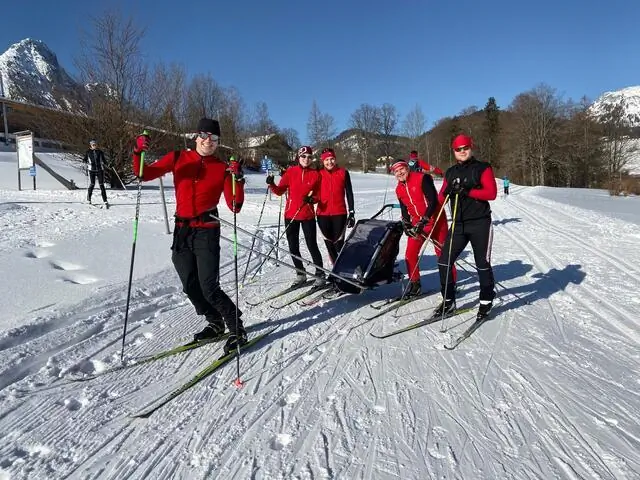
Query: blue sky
{"x": 441, "y": 55}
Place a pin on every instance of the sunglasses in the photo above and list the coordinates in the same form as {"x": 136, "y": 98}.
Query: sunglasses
{"x": 210, "y": 136}
{"x": 304, "y": 156}
{"x": 462, "y": 149}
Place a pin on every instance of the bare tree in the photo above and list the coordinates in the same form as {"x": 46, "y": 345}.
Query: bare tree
{"x": 366, "y": 121}
{"x": 414, "y": 125}
{"x": 320, "y": 127}
{"x": 291, "y": 137}
{"x": 203, "y": 98}
{"x": 619, "y": 146}
{"x": 112, "y": 66}
{"x": 233, "y": 119}
{"x": 262, "y": 123}
{"x": 388, "y": 125}
{"x": 538, "y": 113}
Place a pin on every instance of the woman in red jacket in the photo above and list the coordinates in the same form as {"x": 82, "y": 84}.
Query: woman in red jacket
{"x": 420, "y": 206}
{"x": 335, "y": 185}
{"x": 301, "y": 184}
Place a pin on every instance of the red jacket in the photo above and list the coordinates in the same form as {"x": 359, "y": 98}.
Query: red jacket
{"x": 335, "y": 184}
{"x": 430, "y": 168}
{"x": 198, "y": 181}
{"x": 298, "y": 182}
{"x": 419, "y": 198}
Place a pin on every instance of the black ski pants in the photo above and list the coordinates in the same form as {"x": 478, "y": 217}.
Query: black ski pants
{"x": 332, "y": 228}
{"x": 479, "y": 233}
{"x": 99, "y": 174}
{"x": 196, "y": 257}
{"x": 310, "y": 237}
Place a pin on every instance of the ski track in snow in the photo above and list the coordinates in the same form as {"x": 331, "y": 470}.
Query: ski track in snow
{"x": 546, "y": 389}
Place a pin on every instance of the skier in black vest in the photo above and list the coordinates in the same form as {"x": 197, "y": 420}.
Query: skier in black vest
{"x": 94, "y": 158}
{"x": 470, "y": 183}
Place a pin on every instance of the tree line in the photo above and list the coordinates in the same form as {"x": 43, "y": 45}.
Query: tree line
{"x": 539, "y": 139}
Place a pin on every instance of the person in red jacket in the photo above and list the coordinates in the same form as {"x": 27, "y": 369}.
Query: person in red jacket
{"x": 472, "y": 185}
{"x": 420, "y": 208}
{"x": 301, "y": 183}
{"x": 335, "y": 185}
{"x": 418, "y": 165}
{"x": 200, "y": 178}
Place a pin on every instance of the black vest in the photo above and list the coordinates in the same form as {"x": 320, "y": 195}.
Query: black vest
{"x": 469, "y": 174}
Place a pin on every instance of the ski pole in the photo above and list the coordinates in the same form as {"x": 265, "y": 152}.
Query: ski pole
{"x": 133, "y": 247}
{"x": 253, "y": 242}
{"x": 278, "y": 234}
{"x": 275, "y": 246}
{"x": 427, "y": 238}
{"x": 237, "y": 382}
{"x": 277, "y": 242}
{"x": 446, "y": 282}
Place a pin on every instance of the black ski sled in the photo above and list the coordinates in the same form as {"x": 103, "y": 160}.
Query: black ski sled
{"x": 369, "y": 254}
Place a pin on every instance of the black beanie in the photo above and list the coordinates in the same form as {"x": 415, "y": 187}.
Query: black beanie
{"x": 209, "y": 126}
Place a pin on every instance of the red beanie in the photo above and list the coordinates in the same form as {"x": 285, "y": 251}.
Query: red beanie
{"x": 462, "y": 141}
{"x": 413, "y": 155}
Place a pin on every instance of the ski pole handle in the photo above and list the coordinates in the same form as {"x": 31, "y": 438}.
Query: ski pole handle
{"x": 142, "y": 155}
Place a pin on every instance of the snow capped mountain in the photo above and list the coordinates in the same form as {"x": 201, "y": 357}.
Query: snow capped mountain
{"x": 631, "y": 98}
{"x": 31, "y": 73}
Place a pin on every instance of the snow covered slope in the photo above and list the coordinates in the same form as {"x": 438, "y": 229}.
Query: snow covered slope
{"x": 547, "y": 389}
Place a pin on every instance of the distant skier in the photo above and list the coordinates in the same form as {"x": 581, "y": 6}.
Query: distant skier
{"x": 505, "y": 185}
{"x": 420, "y": 206}
{"x": 200, "y": 178}
{"x": 418, "y": 165}
{"x": 472, "y": 184}
{"x": 94, "y": 159}
{"x": 335, "y": 186}
{"x": 301, "y": 184}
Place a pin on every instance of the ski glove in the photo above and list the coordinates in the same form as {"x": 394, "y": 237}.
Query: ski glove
{"x": 270, "y": 180}
{"x": 456, "y": 188}
{"x": 408, "y": 228}
{"x": 142, "y": 144}
{"x": 236, "y": 169}
{"x": 308, "y": 199}
{"x": 351, "y": 220}
{"x": 421, "y": 224}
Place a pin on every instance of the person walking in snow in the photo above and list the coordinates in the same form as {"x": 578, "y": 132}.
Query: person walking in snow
{"x": 331, "y": 211}
{"x": 505, "y": 186}
{"x": 416, "y": 164}
{"x": 95, "y": 163}
{"x": 472, "y": 185}
{"x": 301, "y": 184}
{"x": 420, "y": 207}
{"x": 200, "y": 179}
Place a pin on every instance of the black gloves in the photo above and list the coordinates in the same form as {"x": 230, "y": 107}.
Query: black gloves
{"x": 456, "y": 188}
{"x": 408, "y": 228}
{"x": 308, "y": 199}
{"x": 351, "y": 220}
{"x": 271, "y": 180}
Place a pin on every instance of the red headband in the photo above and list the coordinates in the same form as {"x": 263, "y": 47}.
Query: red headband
{"x": 326, "y": 155}
{"x": 398, "y": 164}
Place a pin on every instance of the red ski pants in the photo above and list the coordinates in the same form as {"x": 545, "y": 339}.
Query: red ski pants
{"x": 414, "y": 244}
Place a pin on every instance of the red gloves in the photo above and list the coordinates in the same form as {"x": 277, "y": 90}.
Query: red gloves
{"x": 142, "y": 144}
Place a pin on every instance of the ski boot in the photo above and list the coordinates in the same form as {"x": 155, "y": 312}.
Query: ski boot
{"x": 447, "y": 307}
{"x": 235, "y": 339}
{"x": 211, "y": 332}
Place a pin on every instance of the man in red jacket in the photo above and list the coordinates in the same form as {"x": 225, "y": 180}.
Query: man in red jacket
{"x": 301, "y": 183}
{"x": 470, "y": 185}
{"x": 418, "y": 165}
{"x": 200, "y": 178}
{"x": 420, "y": 209}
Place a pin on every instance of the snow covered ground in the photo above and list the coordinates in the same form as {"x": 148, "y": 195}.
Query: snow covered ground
{"x": 549, "y": 388}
